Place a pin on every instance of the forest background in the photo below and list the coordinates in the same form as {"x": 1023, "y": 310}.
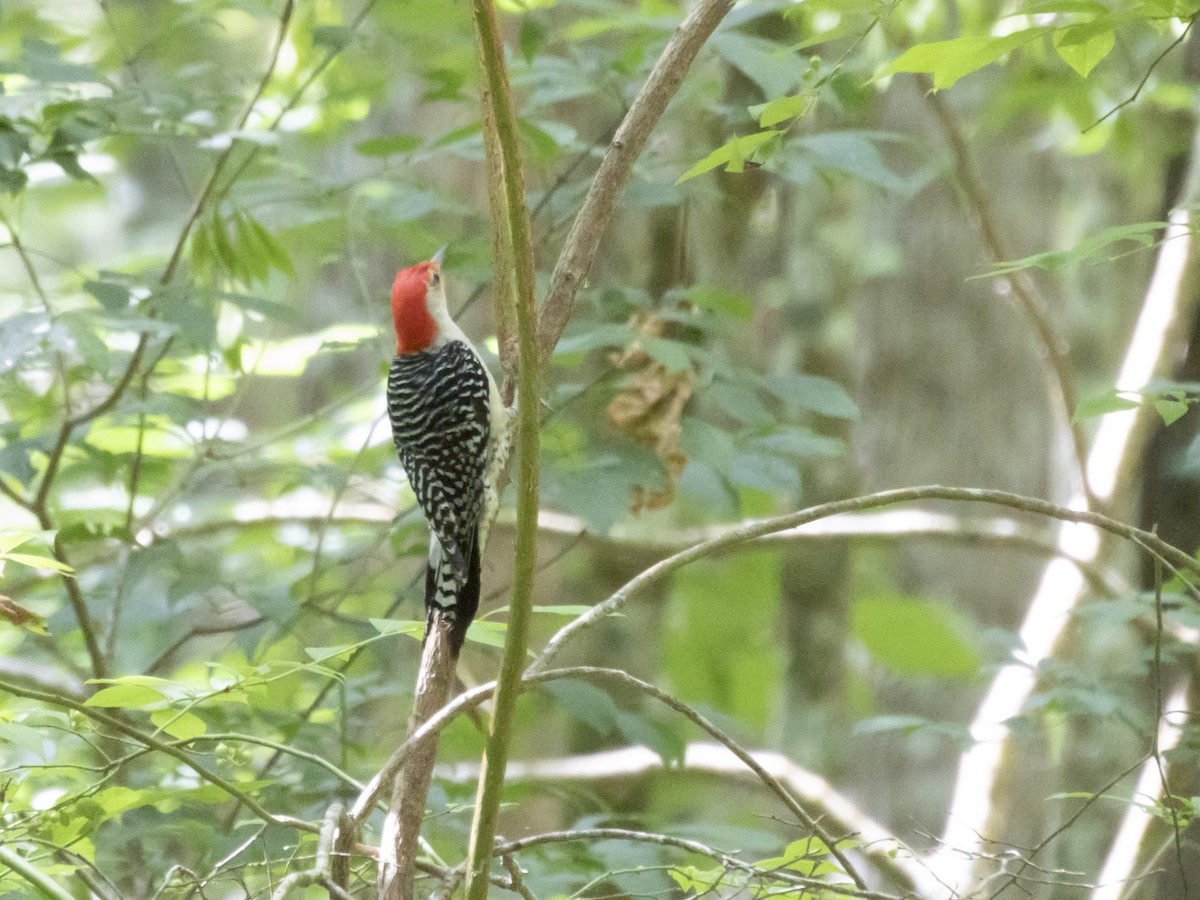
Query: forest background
{"x": 869, "y": 246}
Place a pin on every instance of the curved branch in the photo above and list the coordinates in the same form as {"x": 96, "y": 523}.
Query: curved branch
{"x": 365, "y": 803}
{"x": 1145, "y": 539}
{"x": 665, "y": 840}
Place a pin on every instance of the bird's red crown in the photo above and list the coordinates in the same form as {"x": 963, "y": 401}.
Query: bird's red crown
{"x": 415, "y": 327}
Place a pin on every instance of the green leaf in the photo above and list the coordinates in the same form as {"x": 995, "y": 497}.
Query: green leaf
{"x": 960, "y": 734}
{"x": 113, "y": 297}
{"x": 588, "y": 704}
{"x": 911, "y": 636}
{"x": 40, "y": 61}
{"x": 158, "y": 438}
{"x": 814, "y": 393}
{"x": 411, "y": 627}
{"x": 774, "y": 67}
{"x": 489, "y": 633}
{"x": 798, "y": 443}
{"x": 68, "y": 161}
{"x": 707, "y": 444}
{"x": 593, "y": 338}
{"x": 733, "y": 154}
{"x": 853, "y": 153}
{"x": 1082, "y": 47}
{"x": 321, "y": 654}
{"x": 701, "y": 881}
{"x": 765, "y": 472}
{"x": 11, "y": 540}
{"x": 948, "y": 61}
{"x": 1083, "y": 7}
{"x": 252, "y": 260}
{"x": 182, "y": 726}
{"x": 31, "y": 740}
{"x": 38, "y": 562}
{"x": 1144, "y": 234}
{"x": 1101, "y": 404}
{"x": 641, "y": 730}
{"x": 532, "y": 37}
{"x": 126, "y": 696}
{"x": 12, "y": 180}
{"x": 783, "y": 109}
{"x": 1171, "y": 410}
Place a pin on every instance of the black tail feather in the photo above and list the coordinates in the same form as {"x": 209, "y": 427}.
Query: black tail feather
{"x": 466, "y": 603}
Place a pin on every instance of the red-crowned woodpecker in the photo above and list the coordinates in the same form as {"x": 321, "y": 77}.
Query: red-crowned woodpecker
{"x": 451, "y": 432}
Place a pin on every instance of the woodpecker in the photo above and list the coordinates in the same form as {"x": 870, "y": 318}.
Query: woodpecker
{"x": 451, "y": 432}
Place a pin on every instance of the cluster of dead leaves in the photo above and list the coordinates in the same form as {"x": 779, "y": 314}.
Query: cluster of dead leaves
{"x": 650, "y": 409}
{"x": 20, "y": 616}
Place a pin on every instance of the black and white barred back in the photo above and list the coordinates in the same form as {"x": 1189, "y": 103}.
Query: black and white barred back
{"x": 438, "y": 404}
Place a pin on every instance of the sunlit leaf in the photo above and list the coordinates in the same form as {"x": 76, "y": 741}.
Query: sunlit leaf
{"x": 487, "y": 632}
{"x": 410, "y": 627}
{"x": 784, "y": 108}
{"x": 1171, "y": 410}
{"x": 1091, "y": 248}
{"x": 1101, "y": 404}
{"x": 733, "y": 154}
{"x": 178, "y": 724}
{"x": 948, "y": 61}
{"x": 38, "y": 562}
{"x": 1082, "y": 47}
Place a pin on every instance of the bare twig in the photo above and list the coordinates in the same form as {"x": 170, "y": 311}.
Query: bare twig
{"x": 1058, "y": 354}
{"x": 583, "y": 240}
{"x": 516, "y": 882}
{"x": 1146, "y": 77}
{"x": 322, "y": 871}
{"x": 1015, "y": 877}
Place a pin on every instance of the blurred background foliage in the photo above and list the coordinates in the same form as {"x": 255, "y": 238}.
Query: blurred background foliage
{"x": 200, "y": 222}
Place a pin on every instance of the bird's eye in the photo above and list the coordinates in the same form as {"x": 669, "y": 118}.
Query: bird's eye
{"x": 436, "y": 279}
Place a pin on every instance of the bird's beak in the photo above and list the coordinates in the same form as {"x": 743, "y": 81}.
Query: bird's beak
{"x": 437, "y": 257}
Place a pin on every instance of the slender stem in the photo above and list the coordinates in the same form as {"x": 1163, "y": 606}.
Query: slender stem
{"x": 589, "y": 226}
{"x": 45, "y": 885}
{"x": 1058, "y": 354}
{"x": 517, "y": 238}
